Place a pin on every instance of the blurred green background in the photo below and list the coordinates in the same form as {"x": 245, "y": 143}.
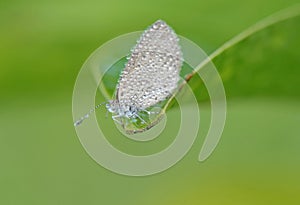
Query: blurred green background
{"x": 43, "y": 44}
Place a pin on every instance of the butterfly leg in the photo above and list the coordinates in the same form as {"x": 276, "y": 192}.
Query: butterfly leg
{"x": 116, "y": 117}
{"x": 152, "y": 112}
{"x": 143, "y": 121}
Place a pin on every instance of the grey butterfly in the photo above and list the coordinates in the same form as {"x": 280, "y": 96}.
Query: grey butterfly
{"x": 150, "y": 76}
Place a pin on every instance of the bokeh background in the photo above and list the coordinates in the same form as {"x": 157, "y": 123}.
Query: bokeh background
{"x": 43, "y": 45}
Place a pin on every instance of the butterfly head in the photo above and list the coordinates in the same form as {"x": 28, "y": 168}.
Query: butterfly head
{"x": 128, "y": 111}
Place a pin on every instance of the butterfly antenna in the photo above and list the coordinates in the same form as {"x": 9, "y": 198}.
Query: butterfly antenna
{"x": 87, "y": 115}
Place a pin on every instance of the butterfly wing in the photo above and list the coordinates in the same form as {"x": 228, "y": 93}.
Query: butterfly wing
{"x": 152, "y": 71}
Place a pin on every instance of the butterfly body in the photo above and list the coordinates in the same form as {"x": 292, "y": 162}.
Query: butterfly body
{"x": 151, "y": 74}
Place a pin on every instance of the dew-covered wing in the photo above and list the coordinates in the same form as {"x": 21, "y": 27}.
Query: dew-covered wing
{"x": 152, "y": 71}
